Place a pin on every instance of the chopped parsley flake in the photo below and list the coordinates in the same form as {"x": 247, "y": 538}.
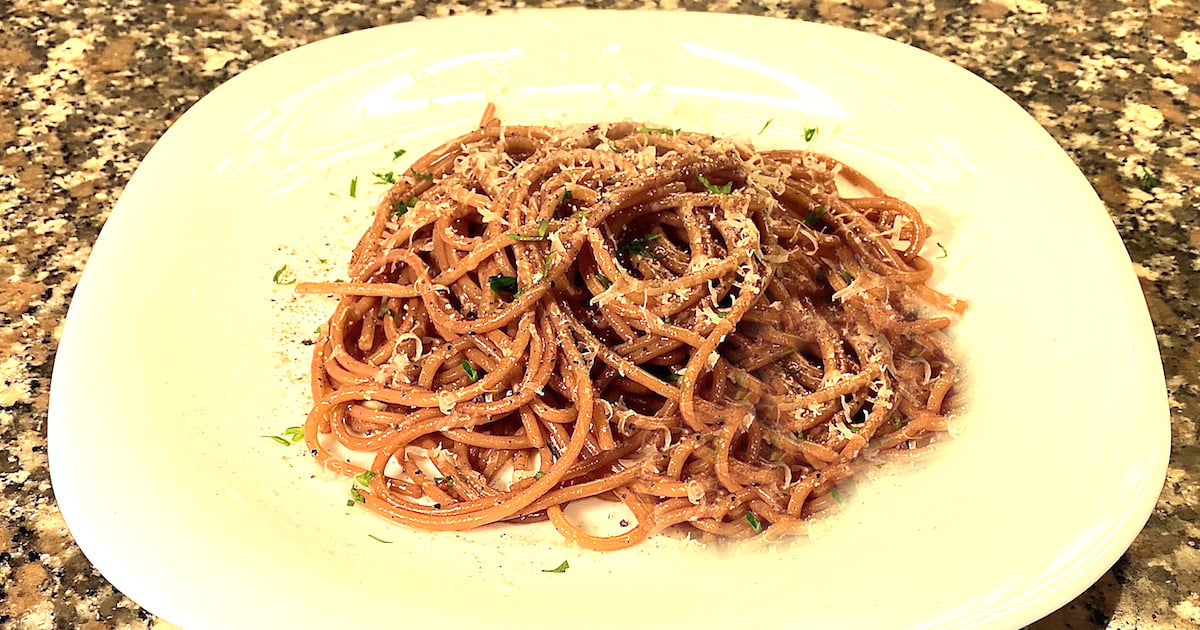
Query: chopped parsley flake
{"x": 538, "y": 476}
{"x": 837, "y": 496}
{"x": 401, "y": 207}
{"x": 356, "y": 495}
{"x": 543, "y": 229}
{"x": 663, "y": 130}
{"x": 895, "y": 418}
{"x": 295, "y": 434}
{"x": 444, "y": 481}
{"x": 386, "y": 312}
{"x": 277, "y": 278}
{"x": 385, "y": 178}
{"x": 562, "y": 568}
{"x": 354, "y": 186}
{"x": 814, "y": 218}
{"x": 753, "y": 520}
{"x": 472, "y": 373}
{"x": 640, "y": 246}
{"x": 503, "y": 283}
{"x": 718, "y": 190}
{"x": 810, "y": 133}
{"x": 364, "y": 478}
{"x": 397, "y": 153}
{"x": 419, "y": 175}
{"x": 765, "y": 125}
{"x": 845, "y": 275}
{"x": 281, "y": 441}
{"x": 944, "y": 252}
{"x": 604, "y": 281}
{"x": 1147, "y": 181}
{"x": 386, "y": 542}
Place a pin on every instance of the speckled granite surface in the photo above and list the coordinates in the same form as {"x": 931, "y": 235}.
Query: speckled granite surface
{"x": 87, "y": 86}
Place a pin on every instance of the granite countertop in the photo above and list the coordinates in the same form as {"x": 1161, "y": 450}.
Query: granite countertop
{"x": 87, "y": 86}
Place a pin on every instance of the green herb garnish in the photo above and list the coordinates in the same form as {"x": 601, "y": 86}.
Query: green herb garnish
{"x": 386, "y": 542}
{"x": 1147, "y": 181}
{"x": 662, "y": 130}
{"x": 944, "y": 252}
{"x": 765, "y": 125}
{"x": 356, "y": 495}
{"x": 385, "y": 178}
{"x": 278, "y": 273}
{"x": 444, "y": 481}
{"x": 846, "y": 275}
{"x": 895, "y": 419}
{"x": 813, "y": 218}
{"x": 387, "y": 312}
{"x": 397, "y": 153}
{"x": 543, "y": 229}
{"x": 281, "y": 441}
{"x": 562, "y": 568}
{"x": 754, "y": 524}
{"x": 604, "y": 281}
{"x": 364, "y": 478}
{"x": 419, "y": 175}
{"x": 837, "y": 496}
{"x": 354, "y": 186}
{"x": 673, "y": 377}
{"x": 719, "y": 190}
{"x": 538, "y": 475}
{"x": 640, "y": 245}
{"x": 503, "y": 283}
{"x": 295, "y": 434}
{"x": 401, "y": 207}
{"x": 472, "y": 373}
{"x": 810, "y": 133}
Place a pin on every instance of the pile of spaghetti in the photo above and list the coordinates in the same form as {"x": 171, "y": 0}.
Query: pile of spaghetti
{"x": 709, "y": 334}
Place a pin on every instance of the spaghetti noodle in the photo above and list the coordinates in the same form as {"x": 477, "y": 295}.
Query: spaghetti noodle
{"x": 712, "y": 335}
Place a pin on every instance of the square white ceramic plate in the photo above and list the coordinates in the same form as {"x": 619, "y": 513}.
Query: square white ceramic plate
{"x": 179, "y": 351}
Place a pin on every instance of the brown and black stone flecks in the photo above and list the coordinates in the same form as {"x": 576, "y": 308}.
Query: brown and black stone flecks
{"x": 87, "y": 86}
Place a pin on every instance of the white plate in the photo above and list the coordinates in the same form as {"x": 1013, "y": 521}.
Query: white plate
{"x": 179, "y": 352}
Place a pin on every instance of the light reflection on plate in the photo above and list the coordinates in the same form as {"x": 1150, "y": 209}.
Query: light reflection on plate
{"x": 179, "y": 352}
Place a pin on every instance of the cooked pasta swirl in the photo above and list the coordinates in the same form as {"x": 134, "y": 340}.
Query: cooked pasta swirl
{"x": 712, "y": 335}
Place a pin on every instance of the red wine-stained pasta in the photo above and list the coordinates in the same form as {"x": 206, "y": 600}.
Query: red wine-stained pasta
{"x": 712, "y": 335}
